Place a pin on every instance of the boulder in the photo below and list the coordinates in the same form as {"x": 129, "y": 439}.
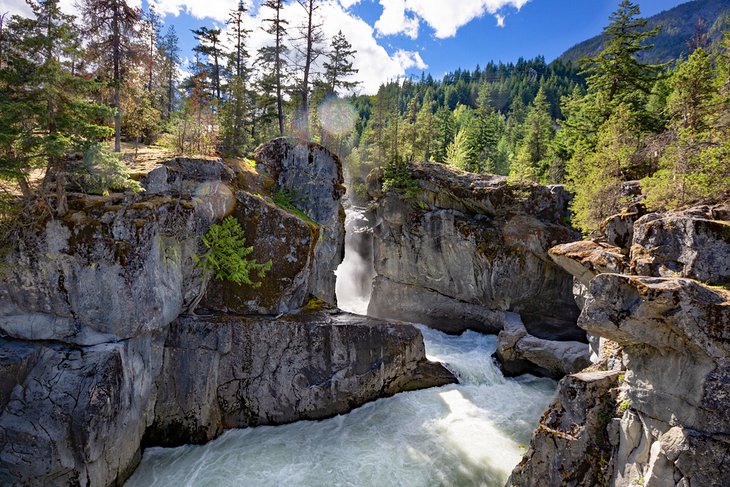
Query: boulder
{"x": 619, "y": 229}
{"x": 682, "y": 244}
{"x": 279, "y": 236}
{"x": 519, "y": 353}
{"x": 586, "y": 259}
{"x": 313, "y": 179}
{"x": 226, "y": 372}
{"x": 472, "y": 242}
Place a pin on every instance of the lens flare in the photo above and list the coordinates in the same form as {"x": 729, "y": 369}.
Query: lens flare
{"x": 214, "y": 199}
{"x": 337, "y": 116}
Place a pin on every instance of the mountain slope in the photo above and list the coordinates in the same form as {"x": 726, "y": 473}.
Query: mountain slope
{"x": 678, "y": 25}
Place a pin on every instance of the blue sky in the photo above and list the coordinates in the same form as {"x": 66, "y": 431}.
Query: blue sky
{"x": 406, "y": 37}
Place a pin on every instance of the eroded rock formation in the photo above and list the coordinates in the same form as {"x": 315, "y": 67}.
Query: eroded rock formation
{"x": 663, "y": 339}
{"x": 466, "y": 251}
{"x": 95, "y": 358}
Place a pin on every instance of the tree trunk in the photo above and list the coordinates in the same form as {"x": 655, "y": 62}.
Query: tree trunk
{"x": 307, "y": 67}
{"x": 279, "y": 104}
{"x": 116, "y": 55}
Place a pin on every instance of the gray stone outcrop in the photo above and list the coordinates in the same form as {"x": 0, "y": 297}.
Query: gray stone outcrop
{"x": 667, "y": 332}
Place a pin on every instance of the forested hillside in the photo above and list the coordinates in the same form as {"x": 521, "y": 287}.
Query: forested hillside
{"x": 677, "y": 27}
{"x": 73, "y": 89}
{"x": 666, "y": 125}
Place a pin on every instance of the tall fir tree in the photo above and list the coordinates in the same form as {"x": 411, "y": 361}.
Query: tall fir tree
{"x": 45, "y": 112}
{"x": 273, "y": 57}
{"x": 113, "y": 42}
{"x": 338, "y": 69}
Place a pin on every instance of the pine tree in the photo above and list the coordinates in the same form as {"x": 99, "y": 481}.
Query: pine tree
{"x": 596, "y": 177}
{"x": 616, "y": 73}
{"x": 695, "y": 165}
{"x": 530, "y": 162}
{"x": 170, "y": 54}
{"x": 273, "y": 58}
{"x": 44, "y": 109}
{"x": 151, "y": 35}
{"x": 444, "y": 133}
{"x": 209, "y": 45}
{"x": 235, "y": 108}
{"x": 112, "y": 37}
{"x": 312, "y": 38}
{"x": 338, "y": 68}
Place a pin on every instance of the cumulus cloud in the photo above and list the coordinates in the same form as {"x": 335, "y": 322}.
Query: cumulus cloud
{"x": 375, "y": 64}
{"x": 395, "y": 21}
{"x": 444, "y": 16}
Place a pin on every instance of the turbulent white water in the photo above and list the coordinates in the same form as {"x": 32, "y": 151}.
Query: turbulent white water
{"x": 470, "y": 434}
{"x": 354, "y": 275}
{"x": 461, "y": 435}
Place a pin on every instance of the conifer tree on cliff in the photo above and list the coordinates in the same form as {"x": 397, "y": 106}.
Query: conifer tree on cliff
{"x": 311, "y": 38}
{"x": 209, "y": 45}
{"x": 110, "y": 28}
{"x": 616, "y": 74}
{"x": 44, "y": 109}
{"x": 338, "y": 68}
{"x": 235, "y": 108}
{"x": 273, "y": 57}
{"x": 170, "y": 54}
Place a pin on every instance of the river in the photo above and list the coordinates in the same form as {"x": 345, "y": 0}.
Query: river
{"x": 470, "y": 434}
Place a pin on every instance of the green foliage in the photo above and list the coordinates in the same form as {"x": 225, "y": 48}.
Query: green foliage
{"x": 397, "y": 177}
{"x": 286, "y": 199}
{"x": 694, "y": 167}
{"x": 623, "y": 407}
{"x": 596, "y": 176}
{"x": 45, "y": 111}
{"x": 531, "y": 161}
{"x": 103, "y": 171}
{"x": 226, "y": 258}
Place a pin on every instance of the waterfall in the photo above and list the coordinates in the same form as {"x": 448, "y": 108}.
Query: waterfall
{"x": 355, "y": 274}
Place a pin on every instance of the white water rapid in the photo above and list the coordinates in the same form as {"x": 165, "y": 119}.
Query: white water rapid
{"x": 470, "y": 434}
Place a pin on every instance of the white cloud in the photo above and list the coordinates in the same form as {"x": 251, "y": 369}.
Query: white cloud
{"x": 444, "y": 16}
{"x": 19, "y": 7}
{"x": 410, "y": 59}
{"x": 374, "y": 64}
{"x": 395, "y": 21}
{"x": 373, "y": 61}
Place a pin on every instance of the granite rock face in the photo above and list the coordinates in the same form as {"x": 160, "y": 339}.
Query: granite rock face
{"x": 111, "y": 270}
{"x": 571, "y": 446}
{"x": 480, "y": 245}
{"x": 96, "y": 359}
{"x": 682, "y": 244}
{"x": 76, "y": 415}
{"x": 312, "y": 176}
{"x": 669, "y": 334}
{"x": 226, "y": 372}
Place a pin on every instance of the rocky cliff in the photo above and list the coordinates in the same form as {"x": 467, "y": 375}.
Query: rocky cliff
{"x": 469, "y": 251}
{"x": 97, "y": 355}
{"x": 653, "y": 410}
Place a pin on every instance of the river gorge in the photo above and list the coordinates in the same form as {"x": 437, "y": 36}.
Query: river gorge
{"x": 123, "y": 363}
{"x": 471, "y": 433}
